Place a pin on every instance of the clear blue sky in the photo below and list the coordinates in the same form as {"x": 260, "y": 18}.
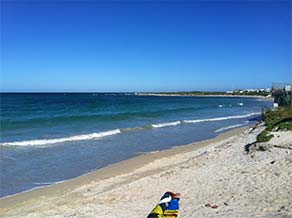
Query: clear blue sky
{"x": 144, "y": 46}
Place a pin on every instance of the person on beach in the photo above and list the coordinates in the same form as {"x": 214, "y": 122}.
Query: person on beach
{"x": 168, "y": 206}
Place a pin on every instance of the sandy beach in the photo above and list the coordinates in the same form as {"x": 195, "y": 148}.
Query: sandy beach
{"x": 217, "y": 172}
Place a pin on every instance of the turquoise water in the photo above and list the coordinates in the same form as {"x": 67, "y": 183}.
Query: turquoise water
{"x": 47, "y": 138}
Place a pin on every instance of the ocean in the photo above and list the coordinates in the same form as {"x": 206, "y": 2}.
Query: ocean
{"x": 51, "y": 137}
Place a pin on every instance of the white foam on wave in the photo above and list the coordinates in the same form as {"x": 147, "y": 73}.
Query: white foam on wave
{"x": 159, "y": 125}
{"x": 41, "y": 142}
{"x": 65, "y": 139}
{"x": 43, "y": 183}
{"x": 229, "y": 127}
{"x": 221, "y": 118}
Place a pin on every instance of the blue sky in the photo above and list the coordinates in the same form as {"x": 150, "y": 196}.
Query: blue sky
{"x": 144, "y": 46}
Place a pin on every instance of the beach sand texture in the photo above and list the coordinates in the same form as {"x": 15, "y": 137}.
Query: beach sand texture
{"x": 217, "y": 172}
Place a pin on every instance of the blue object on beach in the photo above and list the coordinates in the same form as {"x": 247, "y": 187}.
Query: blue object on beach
{"x": 173, "y": 204}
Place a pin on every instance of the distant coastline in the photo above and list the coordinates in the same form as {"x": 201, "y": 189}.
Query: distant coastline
{"x": 203, "y": 94}
{"x": 175, "y": 94}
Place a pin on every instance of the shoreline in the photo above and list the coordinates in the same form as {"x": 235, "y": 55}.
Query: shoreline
{"x": 229, "y": 171}
{"x": 110, "y": 171}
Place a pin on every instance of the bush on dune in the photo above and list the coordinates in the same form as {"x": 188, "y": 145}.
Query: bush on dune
{"x": 279, "y": 119}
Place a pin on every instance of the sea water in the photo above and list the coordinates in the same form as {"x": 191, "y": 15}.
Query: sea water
{"x": 47, "y": 138}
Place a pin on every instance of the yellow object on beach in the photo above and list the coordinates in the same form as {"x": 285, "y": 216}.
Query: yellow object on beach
{"x": 157, "y": 212}
{"x": 167, "y": 207}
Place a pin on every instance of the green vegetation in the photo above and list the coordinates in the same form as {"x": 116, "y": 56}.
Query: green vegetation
{"x": 280, "y": 118}
{"x": 265, "y": 136}
{"x": 276, "y": 120}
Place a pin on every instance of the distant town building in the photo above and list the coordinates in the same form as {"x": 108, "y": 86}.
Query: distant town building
{"x": 261, "y": 91}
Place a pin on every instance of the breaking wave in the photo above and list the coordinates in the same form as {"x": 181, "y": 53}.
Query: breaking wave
{"x": 65, "y": 139}
{"x": 159, "y": 125}
{"x": 98, "y": 135}
{"x": 230, "y": 127}
{"x": 221, "y": 118}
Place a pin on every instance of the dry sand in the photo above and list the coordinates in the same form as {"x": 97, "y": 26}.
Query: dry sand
{"x": 217, "y": 171}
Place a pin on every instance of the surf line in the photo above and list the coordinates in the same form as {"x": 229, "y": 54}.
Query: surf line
{"x": 99, "y": 135}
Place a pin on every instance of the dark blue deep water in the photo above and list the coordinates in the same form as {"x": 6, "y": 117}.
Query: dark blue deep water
{"x": 47, "y": 138}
